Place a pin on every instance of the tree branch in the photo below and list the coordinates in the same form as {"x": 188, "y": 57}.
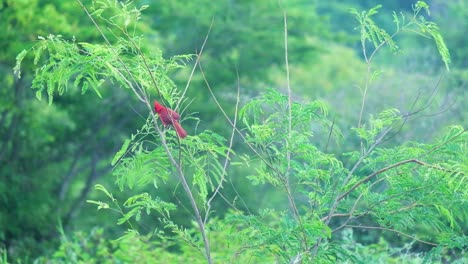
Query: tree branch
{"x": 359, "y": 183}
{"x": 394, "y": 231}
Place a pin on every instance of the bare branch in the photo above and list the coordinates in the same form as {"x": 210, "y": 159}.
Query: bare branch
{"x": 351, "y": 212}
{"x": 330, "y": 134}
{"x": 196, "y": 61}
{"x": 443, "y": 144}
{"x": 368, "y": 72}
{"x": 359, "y": 183}
{"x": 394, "y": 231}
{"x": 351, "y": 172}
{"x": 226, "y": 161}
{"x": 292, "y": 202}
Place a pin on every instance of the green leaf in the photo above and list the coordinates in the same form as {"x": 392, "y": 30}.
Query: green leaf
{"x": 121, "y": 152}
{"x": 104, "y": 190}
{"x": 396, "y": 20}
{"x": 101, "y": 205}
{"x": 421, "y": 5}
{"x": 129, "y": 215}
{"x": 19, "y": 59}
{"x": 39, "y": 95}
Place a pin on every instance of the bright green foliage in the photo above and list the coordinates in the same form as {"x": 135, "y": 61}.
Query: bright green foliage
{"x": 88, "y": 65}
{"x": 398, "y": 188}
{"x": 417, "y": 24}
{"x": 412, "y": 194}
{"x": 139, "y": 169}
{"x": 370, "y": 31}
{"x": 42, "y": 149}
{"x": 450, "y": 28}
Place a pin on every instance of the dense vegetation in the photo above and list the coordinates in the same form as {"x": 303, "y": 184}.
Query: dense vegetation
{"x": 318, "y": 132}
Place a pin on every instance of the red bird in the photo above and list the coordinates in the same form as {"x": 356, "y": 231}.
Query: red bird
{"x": 170, "y": 117}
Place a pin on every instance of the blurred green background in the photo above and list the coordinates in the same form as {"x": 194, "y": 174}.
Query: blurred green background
{"x": 51, "y": 156}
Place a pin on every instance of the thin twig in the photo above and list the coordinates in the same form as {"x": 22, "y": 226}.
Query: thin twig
{"x": 288, "y": 141}
{"x": 292, "y": 202}
{"x": 351, "y": 212}
{"x": 359, "y": 183}
{"x": 394, "y": 231}
{"x": 226, "y": 161}
{"x": 330, "y": 134}
{"x": 196, "y": 62}
{"x": 355, "y": 167}
{"x": 267, "y": 163}
{"x": 443, "y": 144}
{"x": 368, "y": 72}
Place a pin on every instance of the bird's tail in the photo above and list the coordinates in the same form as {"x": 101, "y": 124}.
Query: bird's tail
{"x": 180, "y": 131}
